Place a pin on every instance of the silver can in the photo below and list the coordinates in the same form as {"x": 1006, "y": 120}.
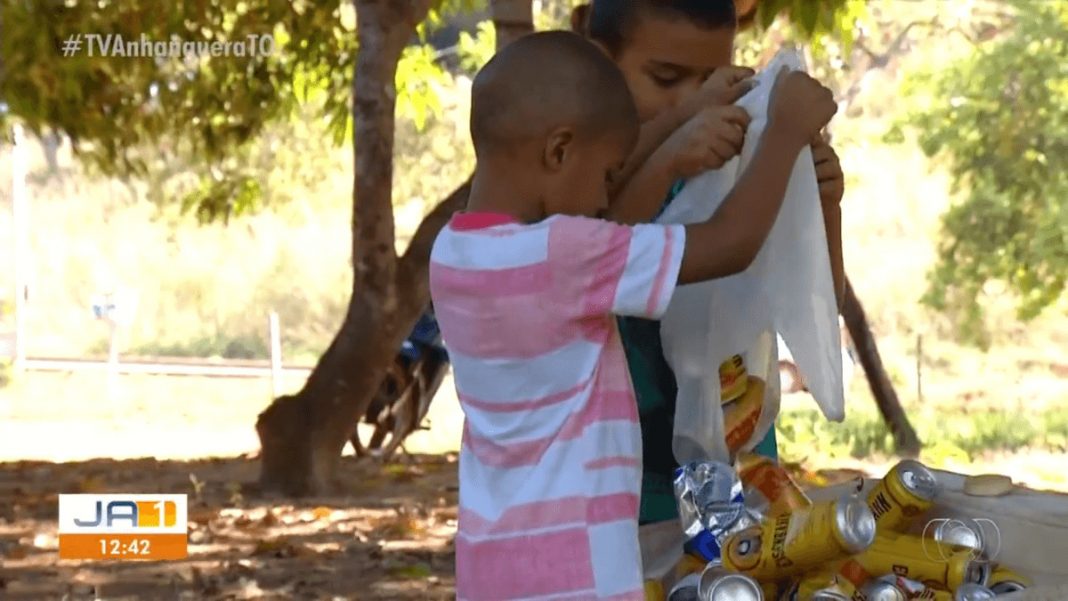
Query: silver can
{"x": 960, "y": 533}
{"x": 709, "y": 495}
{"x": 855, "y": 523}
{"x": 718, "y": 584}
{"x": 829, "y": 594}
{"x": 973, "y": 592}
{"x": 1008, "y": 586}
{"x": 685, "y": 589}
{"x": 881, "y": 590}
{"x": 978, "y": 572}
{"x": 918, "y": 480}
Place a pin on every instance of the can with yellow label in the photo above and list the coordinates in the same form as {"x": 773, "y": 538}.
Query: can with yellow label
{"x": 906, "y": 491}
{"x": 1003, "y": 580}
{"x": 769, "y": 486}
{"x": 654, "y": 590}
{"x": 732, "y": 379}
{"x": 740, "y": 416}
{"x": 801, "y": 540}
{"x": 689, "y": 564}
{"x": 924, "y": 560}
{"x": 808, "y": 585}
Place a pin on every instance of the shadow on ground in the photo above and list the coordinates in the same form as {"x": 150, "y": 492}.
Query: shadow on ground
{"x": 386, "y": 535}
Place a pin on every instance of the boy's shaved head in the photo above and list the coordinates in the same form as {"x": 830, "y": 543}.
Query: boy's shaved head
{"x": 609, "y": 21}
{"x": 545, "y": 81}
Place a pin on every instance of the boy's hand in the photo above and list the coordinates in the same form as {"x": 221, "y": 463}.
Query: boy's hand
{"x": 800, "y": 107}
{"x": 708, "y": 140}
{"x": 828, "y": 173}
{"x": 724, "y": 86}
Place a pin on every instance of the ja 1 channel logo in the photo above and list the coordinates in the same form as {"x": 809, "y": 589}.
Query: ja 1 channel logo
{"x": 975, "y": 538}
{"x": 123, "y": 526}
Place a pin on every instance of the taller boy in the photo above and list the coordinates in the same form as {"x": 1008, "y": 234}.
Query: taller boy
{"x": 675, "y": 56}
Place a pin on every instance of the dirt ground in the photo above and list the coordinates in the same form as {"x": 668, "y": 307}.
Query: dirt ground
{"x": 388, "y": 536}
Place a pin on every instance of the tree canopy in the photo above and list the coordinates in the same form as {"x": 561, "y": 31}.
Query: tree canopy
{"x": 999, "y": 118}
{"x": 132, "y": 116}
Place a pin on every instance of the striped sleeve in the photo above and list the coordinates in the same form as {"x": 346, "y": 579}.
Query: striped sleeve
{"x": 612, "y": 268}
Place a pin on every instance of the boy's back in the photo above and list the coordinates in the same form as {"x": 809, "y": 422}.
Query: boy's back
{"x": 551, "y": 456}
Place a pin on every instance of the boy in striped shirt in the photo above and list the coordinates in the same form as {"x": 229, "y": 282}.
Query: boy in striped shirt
{"x": 526, "y": 284}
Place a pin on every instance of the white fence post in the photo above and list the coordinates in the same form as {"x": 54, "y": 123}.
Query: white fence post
{"x": 275, "y": 336}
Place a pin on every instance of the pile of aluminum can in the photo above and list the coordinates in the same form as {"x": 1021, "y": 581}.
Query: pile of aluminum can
{"x": 756, "y": 536}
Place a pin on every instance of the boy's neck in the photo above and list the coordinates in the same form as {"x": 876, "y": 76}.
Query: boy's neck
{"x": 498, "y": 190}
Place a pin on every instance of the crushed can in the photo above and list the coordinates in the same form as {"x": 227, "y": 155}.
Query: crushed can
{"x": 828, "y": 594}
{"x": 881, "y": 590}
{"x": 711, "y": 506}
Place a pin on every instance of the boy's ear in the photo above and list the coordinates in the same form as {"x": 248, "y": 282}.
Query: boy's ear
{"x": 557, "y": 148}
{"x": 580, "y": 16}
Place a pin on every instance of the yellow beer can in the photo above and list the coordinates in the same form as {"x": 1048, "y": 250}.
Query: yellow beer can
{"x": 807, "y": 586}
{"x": 740, "y": 416}
{"x": 1003, "y": 580}
{"x": 907, "y": 490}
{"x": 765, "y": 478}
{"x": 732, "y": 379}
{"x": 924, "y": 560}
{"x": 654, "y": 591}
{"x": 689, "y": 564}
{"x": 796, "y": 542}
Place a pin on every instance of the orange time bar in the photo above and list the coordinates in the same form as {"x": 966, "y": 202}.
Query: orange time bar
{"x": 123, "y": 546}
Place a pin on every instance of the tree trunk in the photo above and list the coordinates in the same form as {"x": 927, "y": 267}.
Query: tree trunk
{"x": 302, "y": 435}
{"x": 905, "y": 440}
{"x": 512, "y": 19}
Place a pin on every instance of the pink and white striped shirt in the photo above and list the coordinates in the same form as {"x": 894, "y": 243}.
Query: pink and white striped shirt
{"x": 550, "y": 464}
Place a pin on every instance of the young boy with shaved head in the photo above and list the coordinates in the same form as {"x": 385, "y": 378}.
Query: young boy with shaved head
{"x": 526, "y": 283}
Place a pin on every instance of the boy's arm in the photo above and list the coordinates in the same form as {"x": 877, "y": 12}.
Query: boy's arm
{"x": 724, "y": 86}
{"x": 706, "y": 141}
{"x": 729, "y": 241}
{"x": 638, "y": 201}
{"x": 832, "y": 186}
{"x": 642, "y": 195}
{"x": 651, "y": 136}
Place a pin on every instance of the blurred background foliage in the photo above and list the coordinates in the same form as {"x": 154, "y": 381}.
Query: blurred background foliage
{"x": 952, "y": 135}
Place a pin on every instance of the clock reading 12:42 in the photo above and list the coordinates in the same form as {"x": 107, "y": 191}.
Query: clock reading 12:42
{"x": 117, "y": 547}
{"x": 123, "y": 527}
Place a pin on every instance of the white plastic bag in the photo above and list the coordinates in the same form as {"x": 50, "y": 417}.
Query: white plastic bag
{"x": 788, "y": 290}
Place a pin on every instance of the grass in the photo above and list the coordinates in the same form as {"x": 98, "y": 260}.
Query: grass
{"x": 864, "y": 434}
